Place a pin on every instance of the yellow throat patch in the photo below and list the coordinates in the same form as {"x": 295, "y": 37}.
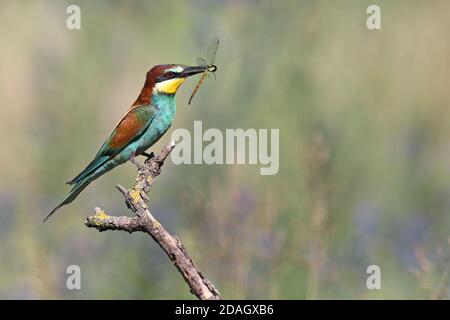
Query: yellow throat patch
{"x": 169, "y": 86}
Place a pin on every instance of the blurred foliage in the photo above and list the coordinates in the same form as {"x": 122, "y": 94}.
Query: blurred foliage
{"x": 364, "y": 149}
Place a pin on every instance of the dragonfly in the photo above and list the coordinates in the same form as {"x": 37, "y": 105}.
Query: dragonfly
{"x": 208, "y": 63}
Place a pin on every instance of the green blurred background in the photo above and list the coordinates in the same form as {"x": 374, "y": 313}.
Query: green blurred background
{"x": 364, "y": 125}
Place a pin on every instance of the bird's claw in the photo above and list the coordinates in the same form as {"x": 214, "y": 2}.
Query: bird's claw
{"x": 148, "y": 155}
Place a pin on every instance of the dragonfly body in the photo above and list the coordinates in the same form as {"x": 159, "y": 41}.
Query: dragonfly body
{"x": 199, "y": 83}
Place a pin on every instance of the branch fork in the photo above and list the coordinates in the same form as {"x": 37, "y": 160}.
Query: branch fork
{"x": 136, "y": 199}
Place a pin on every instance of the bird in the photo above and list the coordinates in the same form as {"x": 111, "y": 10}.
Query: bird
{"x": 145, "y": 122}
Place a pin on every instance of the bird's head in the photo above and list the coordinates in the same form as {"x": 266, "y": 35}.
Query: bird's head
{"x": 168, "y": 78}
{"x": 165, "y": 79}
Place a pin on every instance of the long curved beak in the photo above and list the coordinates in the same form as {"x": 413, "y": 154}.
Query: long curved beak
{"x": 190, "y": 71}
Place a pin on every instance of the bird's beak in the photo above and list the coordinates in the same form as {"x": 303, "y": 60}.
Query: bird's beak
{"x": 190, "y": 71}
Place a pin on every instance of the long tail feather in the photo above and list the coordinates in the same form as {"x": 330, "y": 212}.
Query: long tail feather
{"x": 70, "y": 196}
{"x": 83, "y": 182}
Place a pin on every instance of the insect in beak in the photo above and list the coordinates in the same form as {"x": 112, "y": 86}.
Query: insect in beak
{"x": 209, "y": 66}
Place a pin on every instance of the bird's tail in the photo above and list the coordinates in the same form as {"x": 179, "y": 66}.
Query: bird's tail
{"x": 82, "y": 181}
{"x": 77, "y": 188}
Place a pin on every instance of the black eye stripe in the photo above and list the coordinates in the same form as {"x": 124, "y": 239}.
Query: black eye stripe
{"x": 167, "y": 75}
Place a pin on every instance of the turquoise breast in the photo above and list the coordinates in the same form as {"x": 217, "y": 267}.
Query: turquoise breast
{"x": 165, "y": 113}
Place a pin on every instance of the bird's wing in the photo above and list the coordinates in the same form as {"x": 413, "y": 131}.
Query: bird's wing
{"x": 129, "y": 128}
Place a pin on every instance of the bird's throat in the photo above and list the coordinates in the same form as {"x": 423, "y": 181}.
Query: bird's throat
{"x": 169, "y": 86}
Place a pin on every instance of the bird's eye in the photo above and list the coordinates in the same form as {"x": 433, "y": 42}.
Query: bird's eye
{"x": 170, "y": 74}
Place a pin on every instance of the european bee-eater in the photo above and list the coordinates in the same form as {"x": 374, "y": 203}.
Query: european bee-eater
{"x": 148, "y": 118}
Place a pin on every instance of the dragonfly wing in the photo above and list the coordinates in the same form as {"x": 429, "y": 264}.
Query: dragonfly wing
{"x": 212, "y": 50}
{"x": 201, "y": 62}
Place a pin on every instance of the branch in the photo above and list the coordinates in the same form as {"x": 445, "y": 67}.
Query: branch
{"x": 143, "y": 221}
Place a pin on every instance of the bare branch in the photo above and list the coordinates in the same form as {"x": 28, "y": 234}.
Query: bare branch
{"x": 143, "y": 221}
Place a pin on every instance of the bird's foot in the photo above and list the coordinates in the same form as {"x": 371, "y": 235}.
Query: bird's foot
{"x": 148, "y": 155}
{"x": 133, "y": 160}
